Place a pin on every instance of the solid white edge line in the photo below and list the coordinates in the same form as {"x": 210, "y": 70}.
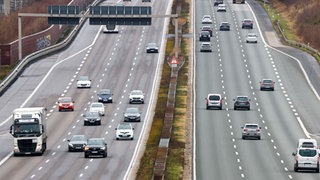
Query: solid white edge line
{"x": 151, "y": 106}
{"x": 299, "y": 63}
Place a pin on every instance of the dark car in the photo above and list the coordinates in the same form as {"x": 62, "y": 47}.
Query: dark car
{"x": 207, "y": 28}
{"x": 65, "y": 103}
{"x": 224, "y": 26}
{"x": 217, "y": 2}
{"x": 77, "y": 143}
{"x": 91, "y": 118}
{"x": 132, "y": 114}
{"x": 105, "y": 96}
{"x": 242, "y": 102}
{"x": 95, "y": 147}
{"x": 267, "y": 84}
{"x": 247, "y": 23}
{"x": 204, "y": 36}
{"x": 146, "y": 0}
{"x": 152, "y": 48}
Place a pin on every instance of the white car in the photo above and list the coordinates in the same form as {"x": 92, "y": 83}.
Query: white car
{"x": 206, "y": 19}
{"x": 205, "y": 47}
{"x": 83, "y": 82}
{"x": 307, "y": 156}
{"x": 214, "y": 101}
{"x": 136, "y": 96}
{"x": 124, "y": 131}
{"x": 222, "y": 8}
{"x": 111, "y": 29}
{"x": 252, "y": 38}
{"x": 97, "y": 107}
{"x": 251, "y": 131}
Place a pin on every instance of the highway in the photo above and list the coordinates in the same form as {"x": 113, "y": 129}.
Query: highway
{"x": 236, "y": 68}
{"x": 114, "y": 61}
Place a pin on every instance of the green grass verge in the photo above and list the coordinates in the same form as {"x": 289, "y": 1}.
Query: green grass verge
{"x": 276, "y": 17}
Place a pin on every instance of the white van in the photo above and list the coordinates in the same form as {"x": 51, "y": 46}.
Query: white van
{"x": 307, "y": 155}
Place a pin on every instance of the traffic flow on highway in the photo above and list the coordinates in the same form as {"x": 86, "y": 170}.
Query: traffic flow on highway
{"x": 85, "y": 112}
{"x": 254, "y": 107}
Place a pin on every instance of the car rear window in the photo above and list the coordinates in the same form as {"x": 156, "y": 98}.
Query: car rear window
{"x": 251, "y": 126}
{"x": 214, "y": 98}
{"x": 307, "y": 152}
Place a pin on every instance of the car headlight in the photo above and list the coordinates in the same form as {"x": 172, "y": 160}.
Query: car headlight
{"x": 103, "y": 148}
{"x": 71, "y": 145}
{"x": 99, "y": 98}
{"x": 125, "y": 115}
{"x": 86, "y": 148}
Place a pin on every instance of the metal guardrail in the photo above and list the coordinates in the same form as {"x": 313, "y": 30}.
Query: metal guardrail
{"x": 10, "y": 79}
{"x": 294, "y": 43}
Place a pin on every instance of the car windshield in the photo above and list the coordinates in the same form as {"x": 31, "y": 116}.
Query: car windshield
{"x": 105, "y": 92}
{"x": 124, "y": 126}
{"x": 152, "y": 45}
{"x": 214, "y": 98}
{"x": 251, "y": 35}
{"x": 224, "y": 24}
{"x": 64, "y": 100}
{"x": 242, "y": 99}
{"x": 83, "y": 78}
{"x": 96, "y": 105}
{"x": 307, "y": 152}
{"x": 78, "y": 138}
{"x": 95, "y": 142}
{"x": 91, "y": 114}
{"x": 136, "y": 93}
{"x": 132, "y": 110}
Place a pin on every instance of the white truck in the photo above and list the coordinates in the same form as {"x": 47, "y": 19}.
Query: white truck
{"x": 29, "y": 131}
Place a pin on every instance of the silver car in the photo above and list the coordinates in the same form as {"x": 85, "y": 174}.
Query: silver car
{"x": 251, "y": 38}
{"x": 251, "y": 131}
{"x": 205, "y": 47}
{"x": 97, "y": 107}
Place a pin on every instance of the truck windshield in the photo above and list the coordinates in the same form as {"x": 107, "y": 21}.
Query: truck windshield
{"x": 27, "y": 129}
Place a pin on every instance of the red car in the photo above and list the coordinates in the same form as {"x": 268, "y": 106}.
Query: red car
{"x": 66, "y": 103}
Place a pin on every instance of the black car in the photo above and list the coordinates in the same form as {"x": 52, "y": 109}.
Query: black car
{"x": 247, "y": 23}
{"x": 77, "y": 143}
{"x": 204, "y": 36}
{"x": 132, "y": 114}
{"x": 105, "y": 96}
{"x": 217, "y": 2}
{"x": 91, "y": 118}
{"x": 242, "y": 102}
{"x": 95, "y": 147}
{"x": 224, "y": 26}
